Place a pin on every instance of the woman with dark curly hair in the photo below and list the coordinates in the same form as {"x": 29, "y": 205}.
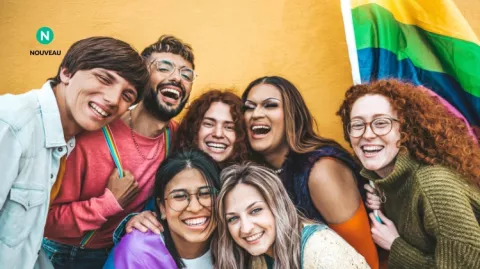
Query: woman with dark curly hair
{"x": 214, "y": 123}
{"x": 426, "y": 170}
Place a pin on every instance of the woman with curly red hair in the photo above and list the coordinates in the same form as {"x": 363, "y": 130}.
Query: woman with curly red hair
{"x": 426, "y": 170}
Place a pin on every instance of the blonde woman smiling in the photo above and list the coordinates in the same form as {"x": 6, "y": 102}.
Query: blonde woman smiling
{"x": 259, "y": 227}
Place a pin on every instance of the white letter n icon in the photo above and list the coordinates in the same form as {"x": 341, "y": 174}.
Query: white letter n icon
{"x": 45, "y": 35}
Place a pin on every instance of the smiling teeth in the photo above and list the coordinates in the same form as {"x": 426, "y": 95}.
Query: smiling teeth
{"x": 372, "y": 148}
{"x": 99, "y": 110}
{"x": 216, "y": 145}
{"x": 257, "y": 127}
{"x": 254, "y": 237}
{"x": 195, "y": 222}
{"x": 177, "y": 94}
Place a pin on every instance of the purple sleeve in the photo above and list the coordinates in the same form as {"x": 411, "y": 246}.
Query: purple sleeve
{"x": 139, "y": 250}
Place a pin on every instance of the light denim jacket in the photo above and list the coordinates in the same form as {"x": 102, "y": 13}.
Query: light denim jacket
{"x": 31, "y": 145}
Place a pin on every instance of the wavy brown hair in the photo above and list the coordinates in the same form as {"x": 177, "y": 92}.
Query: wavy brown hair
{"x": 429, "y": 131}
{"x": 171, "y": 44}
{"x": 300, "y": 126}
{"x": 187, "y": 134}
{"x": 107, "y": 53}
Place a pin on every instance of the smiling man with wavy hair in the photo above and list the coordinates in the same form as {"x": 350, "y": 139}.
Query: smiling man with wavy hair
{"x": 99, "y": 78}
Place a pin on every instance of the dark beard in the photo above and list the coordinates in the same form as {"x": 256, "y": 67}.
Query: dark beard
{"x": 159, "y": 111}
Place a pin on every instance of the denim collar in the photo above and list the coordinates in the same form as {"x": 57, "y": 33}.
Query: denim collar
{"x": 50, "y": 113}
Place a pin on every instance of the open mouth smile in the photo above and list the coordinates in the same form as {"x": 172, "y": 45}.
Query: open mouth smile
{"x": 260, "y": 129}
{"x": 254, "y": 238}
{"x": 371, "y": 150}
{"x": 98, "y": 110}
{"x": 217, "y": 147}
{"x": 171, "y": 93}
{"x": 196, "y": 222}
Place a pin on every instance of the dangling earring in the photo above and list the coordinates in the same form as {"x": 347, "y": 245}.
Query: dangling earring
{"x": 163, "y": 217}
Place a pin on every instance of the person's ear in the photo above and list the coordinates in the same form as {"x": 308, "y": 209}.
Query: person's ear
{"x": 65, "y": 76}
{"x": 163, "y": 215}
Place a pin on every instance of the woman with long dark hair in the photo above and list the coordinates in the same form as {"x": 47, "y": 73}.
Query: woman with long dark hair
{"x": 185, "y": 191}
{"x": 320, "y": 176}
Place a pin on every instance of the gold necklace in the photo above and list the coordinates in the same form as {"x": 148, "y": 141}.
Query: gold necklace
{"x": 136, "y": 144}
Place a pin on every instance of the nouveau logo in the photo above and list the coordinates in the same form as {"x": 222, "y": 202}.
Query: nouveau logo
{"x": 45, "y": 36}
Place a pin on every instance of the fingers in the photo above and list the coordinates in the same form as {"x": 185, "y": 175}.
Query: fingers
{"x": 152, "y": 224}
{"x": 373, "y": 205}
{"x": 375, "y": 232}
{"x": 129, "y": 226}
{"x": 377, "y": 239}
{"x": 369, "y": 188}
{"x": 145, "y": 221}
{"x": 373, "y": 219}
{"x": 133, "y": 223}
{"x": 127, "y": 174}
{"x": 373, "y": 201}
{"x": 384, "y": 219}
{"x": 152, "y": 217}
{"x": 114, "y": 173}
{"x": 139, "y": 226}
{"x": 373, "y": 197}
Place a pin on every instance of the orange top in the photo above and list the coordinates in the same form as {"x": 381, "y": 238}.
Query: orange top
{"x": 58, "y": 183}
{"x": 356, "y": 231}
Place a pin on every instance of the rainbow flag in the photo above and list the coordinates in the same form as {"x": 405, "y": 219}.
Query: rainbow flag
{"x": 426, "y": 42}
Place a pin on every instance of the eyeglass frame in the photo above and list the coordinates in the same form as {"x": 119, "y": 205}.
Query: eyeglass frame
{"x": 212, "y": 194}
{"x": 195, "y": 75}
{"x": 369, "y": 123}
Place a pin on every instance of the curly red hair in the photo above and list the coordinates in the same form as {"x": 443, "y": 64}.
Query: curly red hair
{"x": 429, "y": 131}
{"x": 187, "y": 134}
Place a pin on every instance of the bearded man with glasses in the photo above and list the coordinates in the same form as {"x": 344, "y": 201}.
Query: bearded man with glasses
{"x": 106, "y": 181}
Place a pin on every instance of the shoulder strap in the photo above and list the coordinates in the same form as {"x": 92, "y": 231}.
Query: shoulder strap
{"x": 107, "y": 133}
{"x": 168, "y": 140}
{"x": 307, "y": 232}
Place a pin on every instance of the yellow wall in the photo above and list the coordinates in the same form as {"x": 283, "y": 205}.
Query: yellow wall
{"x": 234, "y": 41}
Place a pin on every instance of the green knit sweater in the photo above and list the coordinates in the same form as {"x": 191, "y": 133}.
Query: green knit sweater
{"x": 436, "y": 213}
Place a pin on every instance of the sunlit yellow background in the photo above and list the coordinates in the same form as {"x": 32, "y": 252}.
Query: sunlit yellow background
{"x": 234, "y": 41}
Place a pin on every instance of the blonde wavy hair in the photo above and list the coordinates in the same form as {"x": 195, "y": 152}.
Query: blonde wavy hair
{"x": 288, "y": 222}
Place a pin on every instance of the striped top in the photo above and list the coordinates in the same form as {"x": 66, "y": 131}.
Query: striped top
{"x": 436, "y": 214}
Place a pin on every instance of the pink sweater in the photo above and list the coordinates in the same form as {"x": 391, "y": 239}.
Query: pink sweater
{"x": 84, "y": 203}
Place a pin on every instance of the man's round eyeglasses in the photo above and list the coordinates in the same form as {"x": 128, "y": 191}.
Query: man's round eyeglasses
{"x": 168, "y": 68}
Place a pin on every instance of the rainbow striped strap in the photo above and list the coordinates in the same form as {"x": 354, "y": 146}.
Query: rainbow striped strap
{"x": 107, "y": 133}
{"x": 113, "y": 149}
{"x": 167, "y": 141}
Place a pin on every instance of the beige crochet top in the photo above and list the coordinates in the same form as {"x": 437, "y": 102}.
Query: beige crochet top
{"x": 325, "y": 250}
